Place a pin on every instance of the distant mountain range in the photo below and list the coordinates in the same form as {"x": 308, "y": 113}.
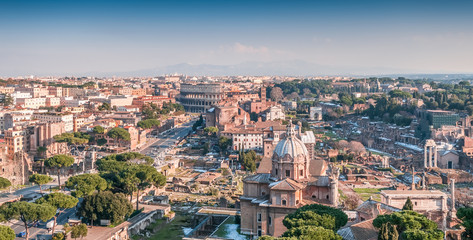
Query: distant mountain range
{"x": 281, "y": 68}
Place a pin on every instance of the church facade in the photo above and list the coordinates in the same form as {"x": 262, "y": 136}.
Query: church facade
{"x": 296, "y": 178}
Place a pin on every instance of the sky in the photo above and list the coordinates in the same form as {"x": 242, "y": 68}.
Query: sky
{"x": 76, "y": 37}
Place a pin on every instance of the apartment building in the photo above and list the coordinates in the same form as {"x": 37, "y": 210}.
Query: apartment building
{"x": 15, "y": 141}
{"x": 68, "y": 119}
{"x": 53, "y": 102}
{"x": 36, "y": 91}
{"x": 31, "y": 103}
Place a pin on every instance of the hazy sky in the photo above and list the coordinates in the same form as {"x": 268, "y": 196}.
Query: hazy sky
{"x": 71, "y": 37}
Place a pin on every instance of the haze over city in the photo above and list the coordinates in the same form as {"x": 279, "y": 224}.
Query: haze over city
{"x": 235, "y": 37}
{"x": 236, "y": 120}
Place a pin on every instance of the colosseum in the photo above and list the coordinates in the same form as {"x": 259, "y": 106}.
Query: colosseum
{"x": 197, "y": 98}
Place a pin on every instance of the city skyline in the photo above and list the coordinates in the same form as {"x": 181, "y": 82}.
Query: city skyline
{"x": 296, "y": 37}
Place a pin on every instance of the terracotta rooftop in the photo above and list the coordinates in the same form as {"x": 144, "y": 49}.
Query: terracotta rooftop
{"x": 265, "y": 165}
{"x": 286, "y": 185}
{"x": 258, "y": 178}
{"x": 359, "y": 231}
{"x": 369, "y": 205}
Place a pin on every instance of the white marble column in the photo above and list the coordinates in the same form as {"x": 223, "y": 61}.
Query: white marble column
{"x": 430, "y": 157}
{"x": 425, "y": 157}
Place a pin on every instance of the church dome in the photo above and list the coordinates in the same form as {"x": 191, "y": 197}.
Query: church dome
{"x": 291, "y": 145}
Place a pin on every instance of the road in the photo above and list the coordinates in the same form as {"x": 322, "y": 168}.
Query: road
{"x": 157, "y": 147}
{"x": 167, "y": 140}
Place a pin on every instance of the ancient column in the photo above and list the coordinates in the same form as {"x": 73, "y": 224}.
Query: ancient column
{"x": 423, "y": 181}
{"x": 435, "y": 156}
{"x": 452, "y": 191}
{"x": 430, "y": 156}
{"x": 425, "y": 156}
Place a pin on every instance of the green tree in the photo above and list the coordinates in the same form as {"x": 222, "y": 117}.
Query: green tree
{"x": 130, "y": 157}
{"x": 79, "y": 231}
{"x": 98, "y": 129}
{"x": 106, "y": 205}
{"x": 224, "y": 143}
{"x": 76, "y": 138}
{"x": 400, "y": 94}
{"x": 59, "y": 236}
{"x": 466, "y": 216}
{"x": 410, "y": 225}
{"x": 206, "y": 148}
{"x": 130, "y": 172}
{"x": 60, "y": 201}
{"x": 58, "y": 162}
{"x": 149, "y": 123}
{"x": 211, "y": 130}
{"x": 304, "y": 218}
{"x": 86, "y": 184}
{"x": 388, "y": 232}
{"x": 4, "y": 183}
{"x": 408, "y": 205}
{"x": 6, "y": 233}
{"x": 249, "y": 160}
{"x": 150, "y": 111}
{"x": 309, "y": 232}
{"x": 7, "y": 100}
{"x": 198, "y": 123}
{"x": 28, "y": 213}
{"x": 469, "y": 109}
{"x": 105, "y": 107}
{"x": 312, "y": 222}
{"x": 101, "y": 141}
{"x": 119, "y": 134}
{"x": 145, "y": 176}
{"x": 40, "y": 179}
{"x": 297, "y": 218}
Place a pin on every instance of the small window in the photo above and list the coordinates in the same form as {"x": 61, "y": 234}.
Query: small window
{"x": 259, "y": 217}
{"x": 283, "y": 202}
{"x": 314, "y": 197}
{"x": 270, "y": 221}
{"x": 415, "y": 203}
{"x": 288, "y": 173}
{"x": 302, "y": 173}
{"x": 327, "y": 196}
{"x": 263, "y": 193}
{"x": 276, "y": 171}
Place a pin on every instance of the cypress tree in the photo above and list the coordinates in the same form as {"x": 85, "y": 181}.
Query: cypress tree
{"x": 408, "y": 205}
{"x": 388, "y": 232}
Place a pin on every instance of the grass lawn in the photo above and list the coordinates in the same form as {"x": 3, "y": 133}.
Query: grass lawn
{"x": 173, "y": 230}
{"x": 366, "y": 193}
